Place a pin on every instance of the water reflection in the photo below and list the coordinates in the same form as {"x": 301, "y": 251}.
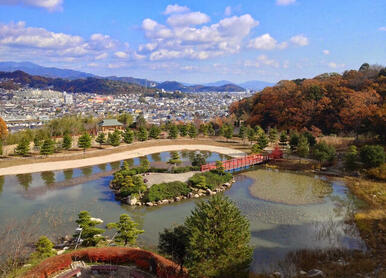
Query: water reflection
{"x": 102, "y": 167}
{"x": 86, "y": 171}
{"x": 1, "y": 184}
{"x": 115, "y": 165}
{"x": 68, "y": 174}
{"x": 156, "y": 157}
{"x": 48, "y": 177}
{"x": 24, "y": 180}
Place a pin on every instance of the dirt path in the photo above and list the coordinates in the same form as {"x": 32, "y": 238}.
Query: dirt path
{"x": 77, "y": 163}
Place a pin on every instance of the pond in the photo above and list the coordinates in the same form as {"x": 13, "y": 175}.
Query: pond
{"x": 279, "y": 224}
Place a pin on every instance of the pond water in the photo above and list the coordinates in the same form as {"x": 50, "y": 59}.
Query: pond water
{"x": 53, "y": 200}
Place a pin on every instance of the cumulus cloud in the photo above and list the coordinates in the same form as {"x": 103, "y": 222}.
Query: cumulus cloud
{"x": 285, "y": 2}
{"x": 261, "y": 60}
{"x": 326, "y": 52}
{"x": 194, "y": 18}
{"x": 51, "y": 5}
{"x": 181, "y": 38}
{"x": 19, "y": 41}
{"x": 300, "y": 40}
{"x": 266, "y": 42}
{"x": 171, "y": 9}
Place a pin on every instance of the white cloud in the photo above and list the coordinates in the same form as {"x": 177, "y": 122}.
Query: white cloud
{"x": 334, "y": 65}
{"x": 261, "y": 60}
{"x": 101, "y": 56}
{"x": 300, "y": 40}
{"x": 181, "y": 39}
{"x": 383, "y": 28}
{"x": 171, "y": 9}
{"x": 51, "y": 5}
{"x": 121, "y": 54}
{"x": 266, "y": 42}
{"x": 326, "y": 52}
{"x": 228, "y": 11}
{"x": 194, "y": 18}
{"x": 285, "y": 2}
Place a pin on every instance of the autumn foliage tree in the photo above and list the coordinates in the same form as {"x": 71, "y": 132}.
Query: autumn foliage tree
{"x": 334, "y": 103}
{"x": 3, "y": 129}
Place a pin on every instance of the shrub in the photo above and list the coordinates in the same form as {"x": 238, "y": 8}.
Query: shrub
{"x": 213, "y": 179}
{"x": 378, "y": 173}
{"x": 323, "y": 152}
{"x": 168, "y": 190}
{"x": 372, "y": 155}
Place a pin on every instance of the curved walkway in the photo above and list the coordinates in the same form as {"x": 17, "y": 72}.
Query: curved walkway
{"x": 68, "y": 164}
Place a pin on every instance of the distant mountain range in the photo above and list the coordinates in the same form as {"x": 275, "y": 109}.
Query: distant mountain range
{"x": 52, "y": 72}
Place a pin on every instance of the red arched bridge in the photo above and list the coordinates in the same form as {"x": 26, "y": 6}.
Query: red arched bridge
{"x": 237, "y": 164}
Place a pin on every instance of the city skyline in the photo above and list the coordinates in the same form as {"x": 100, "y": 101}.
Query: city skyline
{"x": 195, "y": 42}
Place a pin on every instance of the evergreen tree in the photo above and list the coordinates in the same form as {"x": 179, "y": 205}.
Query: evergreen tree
{"x": 90, "y": 234}
{"x": 220, "y": 167}
{"x": 84, "y": 141}
{"x": 140, "y": 121}
{"x": 256, "y": 148}
{"x": 303, "y": 147}
{"x": 145, "y": 164}
{"x": 203, "y": 129}
{"x": 192, "y": 131}
{"x": 23, "y": 147}
{"x": 37, "y": 142}
{"x": 262, "y": 141}
{"x": 283, "y": 138}
{"x": 1, "y": 147}
{"x": 128, "y": 136}
{"x": 372, "y": 155}
{"x": 243, "y": 132}
{"x": 173, "y": 131}
{"x": 101, "y": 139}
{"x": 323, "y": 152}
{"x": 127, "y": 231}
{"x": 351, "y": 158}
{"x": 219, "y": 237}
{"x": 175, "y": 158}
{"x": 310, "y": 138}
{"x": 139, "y": 184}
{"x": 174, "y": 242}
{"x": 154, "y": 132}
{"x": 294, "y": 141}
{"x": 201, "y": 182}
{"x": 183, "y": 130}
{"x": 126, "y": 119}
{"x": 114, "y": 138}
{"x": 251, "y": 134}
{"x": 221, "y": 131}
{"x": 228, "y": 131}
{"x": 211, "y": 130}
{"x": 67, "y": 141}
{"x": 198, "y": 160}
{"x": 273, "y": 135}
{"x": 44, "y": 249}
{"x": 258, "y": 130}
{"x": 47, "y": 147}
{"x": 142, "y": 134}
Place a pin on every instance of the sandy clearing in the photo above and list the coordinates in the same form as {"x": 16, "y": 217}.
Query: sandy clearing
{"x": 154, "y": 178}
{"x": 68, "y": 164}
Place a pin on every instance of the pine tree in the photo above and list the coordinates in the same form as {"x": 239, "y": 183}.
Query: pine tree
{"x": 183, "y": 130}
{"x": 251, "y": 134}
{"x": 294, "y": 140}
{"x": 67, "y": 141}
{"x": 262, "y": 141}
{"x": 303, "y": 147}
{"x": 127, "y": 231}
{"x": 114, "y": 138}
{"x": 142, "y": 134}
{"x": 351, "y": 158}
{"x": 273, "y": 134}
{"x": 128, "y": 136}
{"x": 84, "y": 141}
{"x": 154, "y": 132}
{"x": 101, "y": 139}
{"x": 173, "y": 131}
{"x": 47, "y": 147}
{"x": 192, "y": 131}
{"x": 44, "y": 249}
{"x": 256, "y": 148}
{"x": 283, "y": 138}
{"x": 145, "y": 164}
{"x": 243, "y": 132}
{"x": 175, "y": 158}
{"x": 90, "y": 233}
{"x": 23, "y": 147}
{"x": 228, "y": 131}
{"x": 218, "y": 240}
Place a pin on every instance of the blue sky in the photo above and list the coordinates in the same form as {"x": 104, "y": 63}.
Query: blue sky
{"x": 195, "y": 41}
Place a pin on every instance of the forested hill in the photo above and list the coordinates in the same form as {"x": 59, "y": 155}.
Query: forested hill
{"x": 17, "y": 79}
{"x": 353, "y": 102}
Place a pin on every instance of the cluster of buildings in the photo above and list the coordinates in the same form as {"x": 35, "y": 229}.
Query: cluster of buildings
{"x": 30, "y": 108}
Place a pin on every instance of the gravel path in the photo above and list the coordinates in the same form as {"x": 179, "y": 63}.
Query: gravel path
{"x": 68, "y": 164}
